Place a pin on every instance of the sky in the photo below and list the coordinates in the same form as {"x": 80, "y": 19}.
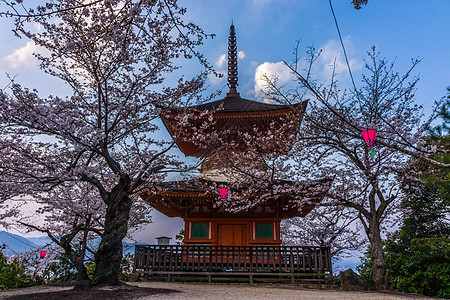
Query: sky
{"x": 267, "y": 31}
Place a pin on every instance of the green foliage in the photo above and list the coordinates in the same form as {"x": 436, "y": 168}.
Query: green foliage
{"x": 61, "y": 271}
{"x": 423, "y": 267}
{"x": 12, "y": 275}
{"x": 438, "y": 177}
{"x": 443, "y": 129}
{"x": 439, "y": 136}
{"x": 179, "y": 237}
{"x": 418, "y": 255}
{"x": 426, "y": 210}
{"x": 90, "y": 268}
{"x": 365, "y": 270}
{"x": 126, "y": 266}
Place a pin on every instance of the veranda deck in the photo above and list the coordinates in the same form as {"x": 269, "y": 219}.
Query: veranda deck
{"x": 211, "y": 260}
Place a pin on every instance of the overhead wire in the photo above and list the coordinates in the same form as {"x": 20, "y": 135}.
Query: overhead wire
{"x": 348, "y": 67}
{"x": 354, "y": 85}
{"x": 343, "y": 48}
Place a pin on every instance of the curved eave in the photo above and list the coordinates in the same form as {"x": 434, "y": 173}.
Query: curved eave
{"x": 238, "y": 104}
{"x": 176, "y": 203}
{"x": 274, "y": 110}
{"x": 252, "y": 117}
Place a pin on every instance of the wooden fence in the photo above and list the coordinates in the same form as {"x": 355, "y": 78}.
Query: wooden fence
{"x": 264, "y": 259}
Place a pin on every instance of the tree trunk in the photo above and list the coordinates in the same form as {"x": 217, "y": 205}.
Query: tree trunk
{"x": 109, "y": 253}
{"x": 82, "y": 280}
{"x": 381, "y": 277}
{"x": 82, "y": 274}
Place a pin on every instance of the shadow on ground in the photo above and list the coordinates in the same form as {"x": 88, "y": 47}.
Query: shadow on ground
{"x": 120, "y": 292}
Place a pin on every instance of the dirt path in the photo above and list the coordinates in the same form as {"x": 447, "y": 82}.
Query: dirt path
{"x": 275, "y": 292}
{"x": 195, "y": 291}
{"x": 33, "y": 290}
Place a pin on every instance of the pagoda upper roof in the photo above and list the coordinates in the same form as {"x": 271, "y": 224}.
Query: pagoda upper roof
{"x": 231, "y": 115}
{"x": 233, "y": 104}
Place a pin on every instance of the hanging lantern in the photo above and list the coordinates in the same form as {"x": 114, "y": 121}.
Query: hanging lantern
{"x": 369, "y": 136}
{"x": 42, "y": 254}
{"x": 223, "y": 193}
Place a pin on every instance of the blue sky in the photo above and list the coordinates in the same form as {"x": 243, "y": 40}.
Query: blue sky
{"x": 267, "y": 31}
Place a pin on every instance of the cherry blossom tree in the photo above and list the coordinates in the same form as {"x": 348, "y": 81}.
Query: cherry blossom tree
{"x": 357, "y": 4}
{"x": 325, "y": 226}
{"x": 74, "y": 218}
{"x": 72, "y": 214}
{"x": 335, "y": 147}
{"x": 255, "y": 165}
{"x": 115, "y": 56}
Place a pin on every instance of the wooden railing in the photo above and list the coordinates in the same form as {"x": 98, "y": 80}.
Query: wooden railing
{"x": 242, "y": 259}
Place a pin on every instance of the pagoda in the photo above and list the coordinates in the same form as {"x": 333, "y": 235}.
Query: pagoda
{"x": 205, "y": 222}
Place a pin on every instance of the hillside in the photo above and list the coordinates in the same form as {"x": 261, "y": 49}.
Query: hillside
{"x": 15, "y": 244}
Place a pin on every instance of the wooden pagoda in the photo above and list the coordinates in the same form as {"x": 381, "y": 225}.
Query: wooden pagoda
{"x": 218, "y": 242}
{"x": 205, "y": 223}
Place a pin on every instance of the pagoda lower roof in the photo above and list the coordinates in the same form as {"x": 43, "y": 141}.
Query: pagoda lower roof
{"x": 190, "y": 198}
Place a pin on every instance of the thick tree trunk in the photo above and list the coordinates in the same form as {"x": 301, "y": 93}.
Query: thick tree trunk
{"x": 109, "y": 254}
{"x": 381, "y": 277}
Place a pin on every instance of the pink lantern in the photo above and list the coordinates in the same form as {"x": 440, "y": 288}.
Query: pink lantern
{"x": 42, "y": 254}
{"x": 369, "y": 136}
{"x": 223, "y": 193}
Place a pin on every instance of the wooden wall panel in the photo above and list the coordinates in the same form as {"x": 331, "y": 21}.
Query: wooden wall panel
{"x": 232, "y": 232}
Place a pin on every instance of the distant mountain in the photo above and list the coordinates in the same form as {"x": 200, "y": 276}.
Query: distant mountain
{"x": 40, "y": 240}
{"x": 15, "y": 244}
{"x": 343, "y": 265}
{"x": 129, "y": 247}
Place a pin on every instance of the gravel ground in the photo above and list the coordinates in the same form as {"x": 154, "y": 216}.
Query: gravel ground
{"x": 195, "y": 291}
{"x": 275, "y": 292}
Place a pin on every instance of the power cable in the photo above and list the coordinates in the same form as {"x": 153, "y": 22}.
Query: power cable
{"x": 345, "y": 52}
{"x": 354, "y": 85}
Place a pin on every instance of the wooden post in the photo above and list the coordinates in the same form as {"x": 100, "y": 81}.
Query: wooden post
{"x": 330, "y": 264}
{"x": 291, "y": 260}
{"x": 251, "y": 264}
{"x": 170, "y": 267}
{"x": 210, "y": 259}
{"x": 136, "y": 250}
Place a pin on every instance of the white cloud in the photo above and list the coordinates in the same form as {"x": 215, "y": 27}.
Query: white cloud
{"x": 221, "y": 61}
{"x": 22, "y": 57}
{"x": 269, "y": 69}
{"x": 223, "y": 58}
{"x": 221, "y": 68}
{"x": 332, "y": 51}
{"x": 214, "y": 80}
{"x": 38, "y": 27}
